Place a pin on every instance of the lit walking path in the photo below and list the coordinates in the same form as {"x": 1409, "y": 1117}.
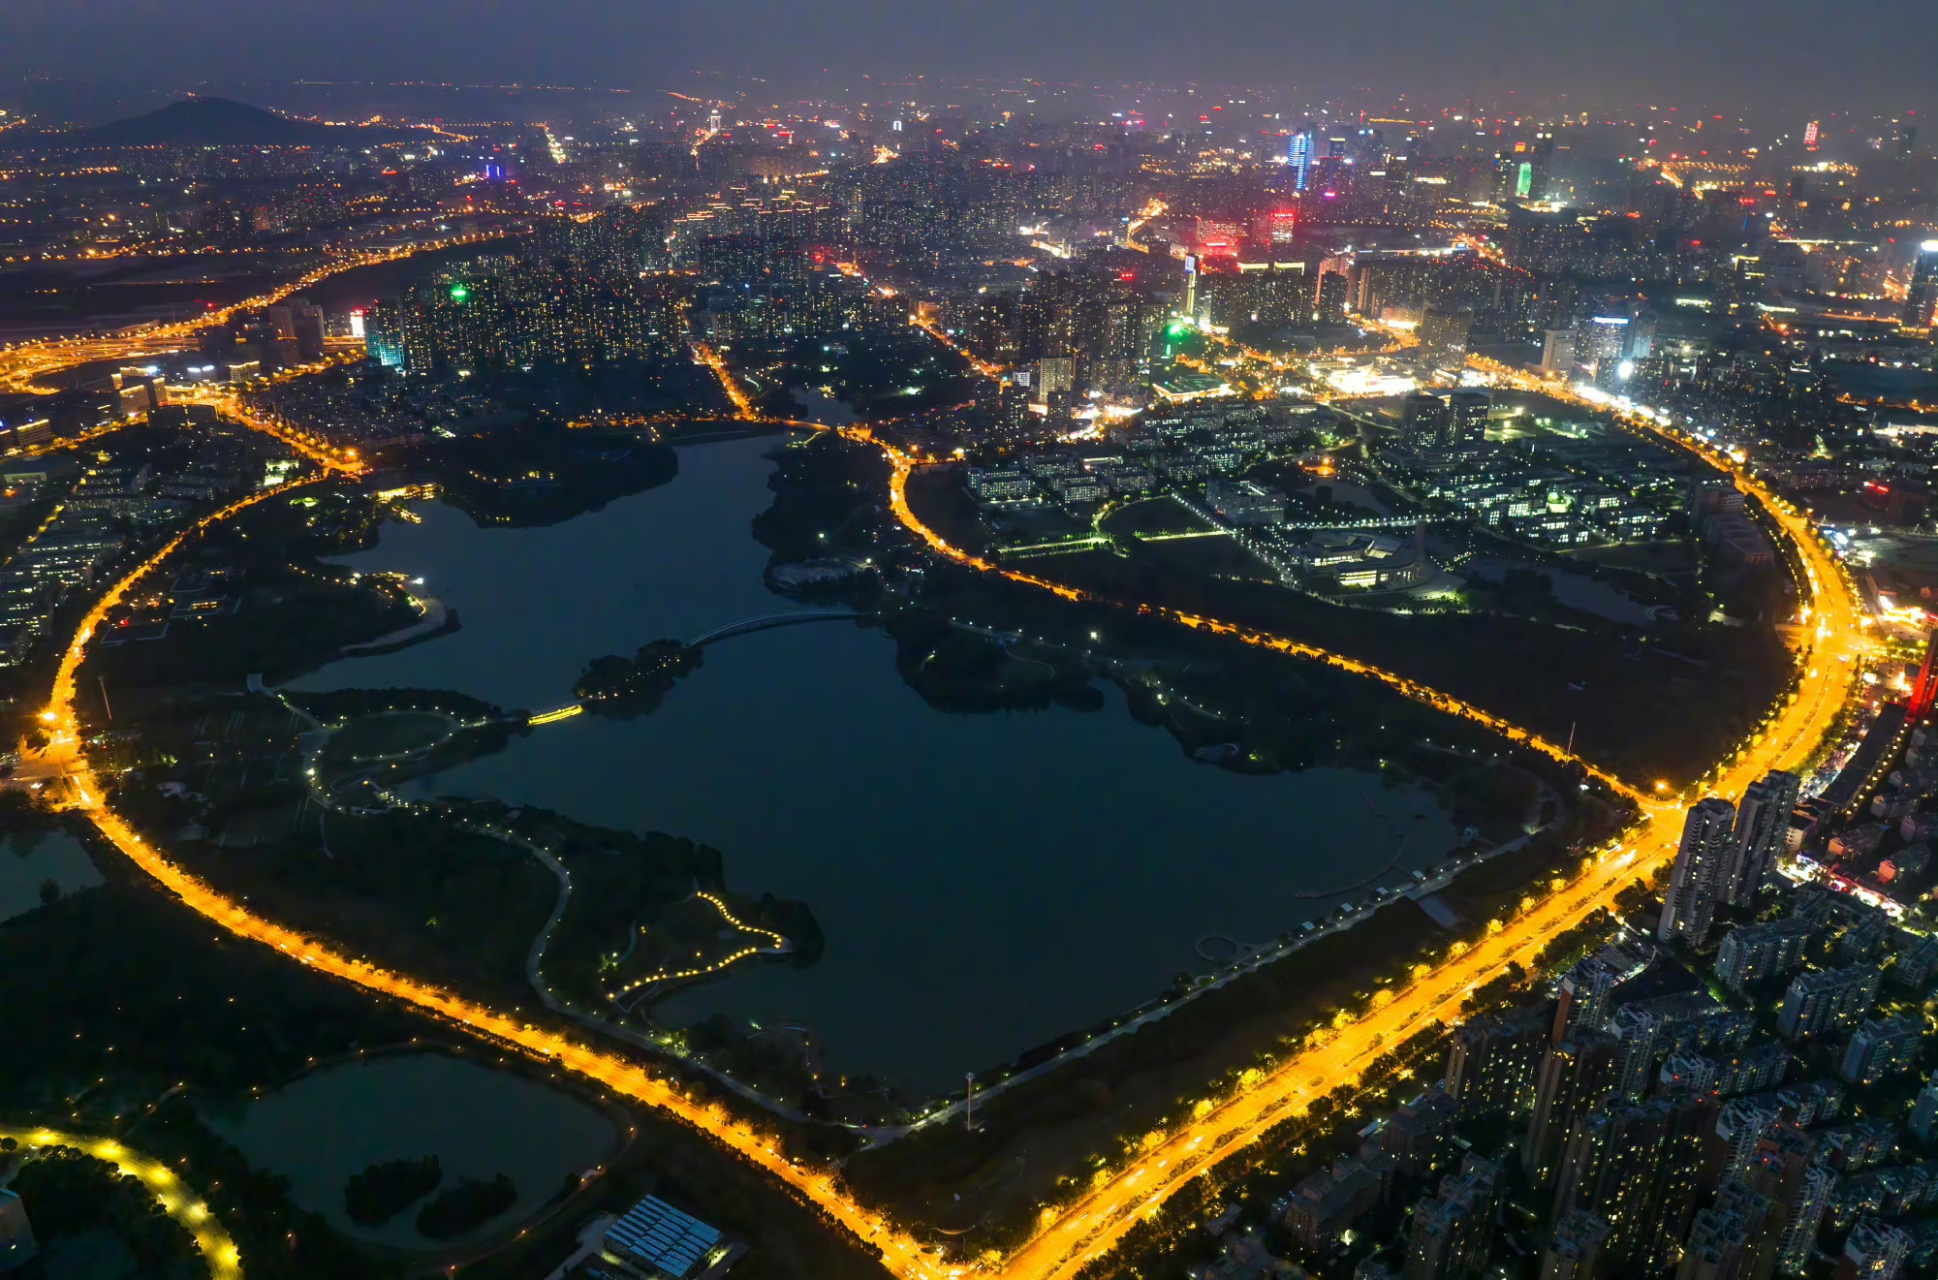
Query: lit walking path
{"x": 176, "y": 1199}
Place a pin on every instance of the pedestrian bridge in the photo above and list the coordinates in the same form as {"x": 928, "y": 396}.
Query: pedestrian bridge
{"x": 767, "y": 622}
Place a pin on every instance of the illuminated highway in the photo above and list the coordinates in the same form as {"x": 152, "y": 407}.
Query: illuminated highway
{"x": 174, "y": 1196}
{"x": 1074, "y": 1235}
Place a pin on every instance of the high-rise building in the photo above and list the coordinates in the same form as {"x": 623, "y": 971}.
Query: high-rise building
{"x": 384, "y": 335}
{"x": 1701, "y": 862}
{"x": 1423, "y": 419}
{"x": 1492, "y": 1061}
{"x": 1445, "y": 328}
{"x": 1452, "y": 1234}
{"x": 1875, "y": 1250}
{"x": 1641, "y": 336}
{"x": 1467, "y": 412}
{"x": 1881, "y": 1047}
{"x": 1582, "y": 1000}
{"x": 1608, "y": 338}
{"x": 1540, "y": 165}
{"x": 1636, "y": 1166}
{"x": 1924, "y": 1112}
{"x": 1733, "y": 1239}
{"x": 1811, "y": 133}
{"x": 1576, "y": 1075}
{"x": 1651, "y": 1030}
{"x": 1762, "y": 824}
{"x": 1924, "y": 691}
{"x": 1558, "y": 351}
{"x": 1813, "y": 1192}
{"x": 1053, "y": 374}
{"x": 1299, "y": 155}
{"x": 1329, "y": 302}
{"x": 1752, "y": 954}
{"x": 1827, "y": 1001}
{"x": 1922, "y": 297}
{"x": 1575, "y": 1248}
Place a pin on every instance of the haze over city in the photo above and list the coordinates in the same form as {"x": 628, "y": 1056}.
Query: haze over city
{"x": 1018, "y": 642}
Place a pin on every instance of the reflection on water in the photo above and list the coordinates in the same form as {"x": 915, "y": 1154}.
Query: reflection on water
{"x": 984, "y": 883}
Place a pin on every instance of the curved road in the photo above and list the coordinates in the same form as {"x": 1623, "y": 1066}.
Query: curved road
{"x": 174, "y": 1196}
{"x": 1079, "y": 1233}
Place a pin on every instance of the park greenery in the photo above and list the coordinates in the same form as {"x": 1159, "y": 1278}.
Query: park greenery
{"x": 543, "y": 475}
{"x": 465, "y": 1207}
{"x": 89, "y": 1216}
{"x": 384, "y": 1190}
{"x": 614, "y": 685}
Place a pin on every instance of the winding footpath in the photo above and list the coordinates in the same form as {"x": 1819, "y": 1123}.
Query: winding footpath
{"x": 1074, "y": 1235}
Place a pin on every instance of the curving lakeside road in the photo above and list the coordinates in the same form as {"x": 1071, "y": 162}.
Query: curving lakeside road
{"x": 176, "y": 1200}
{"x": 22, "y": 363}
{"x": 1084, "y": 1231}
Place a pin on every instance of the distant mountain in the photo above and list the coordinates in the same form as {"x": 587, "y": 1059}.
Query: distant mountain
{"x": 221, "y": 122}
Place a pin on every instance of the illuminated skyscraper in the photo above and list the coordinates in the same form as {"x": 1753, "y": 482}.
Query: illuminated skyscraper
{"x": 1923, "y": 296}
{"x": 1701, "y": 865}
{"x": 1810, "y": 134}
{"x": 1299, "y": 156}
{"x": 1762, "y": 825}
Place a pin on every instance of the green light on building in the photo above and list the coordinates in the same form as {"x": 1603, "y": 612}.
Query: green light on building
{"x": 459, "y": 292}
{"x": 1524, "y": 180}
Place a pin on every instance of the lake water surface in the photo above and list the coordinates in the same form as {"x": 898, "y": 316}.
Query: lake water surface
{"x": 478, "y": 1121}
{"x": 985, "y": 882}
{"x": 26, "y": 864}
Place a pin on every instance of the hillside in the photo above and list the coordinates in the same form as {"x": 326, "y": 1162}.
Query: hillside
{"x": 221, "y": 122}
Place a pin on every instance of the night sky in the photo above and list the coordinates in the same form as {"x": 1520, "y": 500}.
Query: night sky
{"x": 1777, "y": 56}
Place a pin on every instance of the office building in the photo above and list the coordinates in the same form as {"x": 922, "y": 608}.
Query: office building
{"x": 1299, "y": 156}
{"x": 1701, "y": 863}
{"x": 1424, "y": 419}
{"x": 1558, "y": 351}
{"x": 1762, "y": 823}
{"x": 1881, "y": 1047}
{"x": 1827, "y": 1001}
{"x": 1467, "y": 412}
